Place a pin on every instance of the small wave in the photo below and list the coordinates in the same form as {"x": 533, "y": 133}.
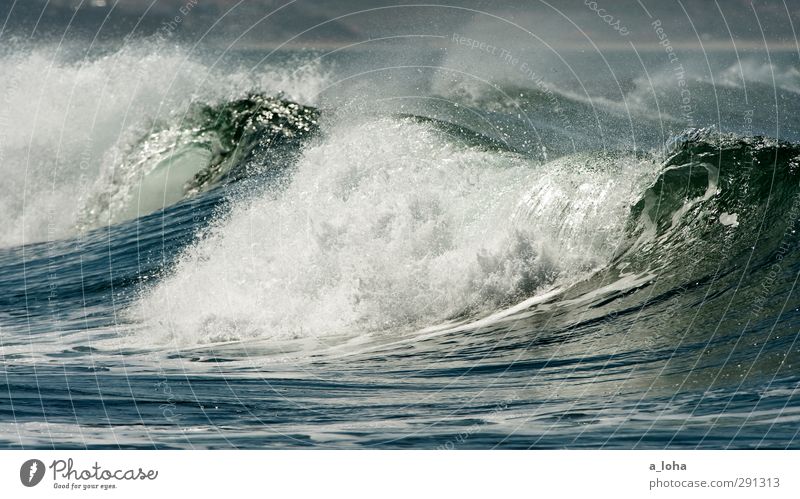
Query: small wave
{"x": 738, "y": 75}
{"x": 210, "y": 145}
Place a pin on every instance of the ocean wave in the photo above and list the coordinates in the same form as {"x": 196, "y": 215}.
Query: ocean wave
{"x": 388, "y": 224}
{"x": 68, "y": 122}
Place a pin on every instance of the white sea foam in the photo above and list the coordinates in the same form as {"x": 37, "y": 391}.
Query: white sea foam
{"x": 387, "y": 224}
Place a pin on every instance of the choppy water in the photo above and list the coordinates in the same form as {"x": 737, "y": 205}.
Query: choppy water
{"x": 280, "y": 256}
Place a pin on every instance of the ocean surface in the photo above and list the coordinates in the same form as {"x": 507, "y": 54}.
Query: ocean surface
{"x": 295, "y": 249}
